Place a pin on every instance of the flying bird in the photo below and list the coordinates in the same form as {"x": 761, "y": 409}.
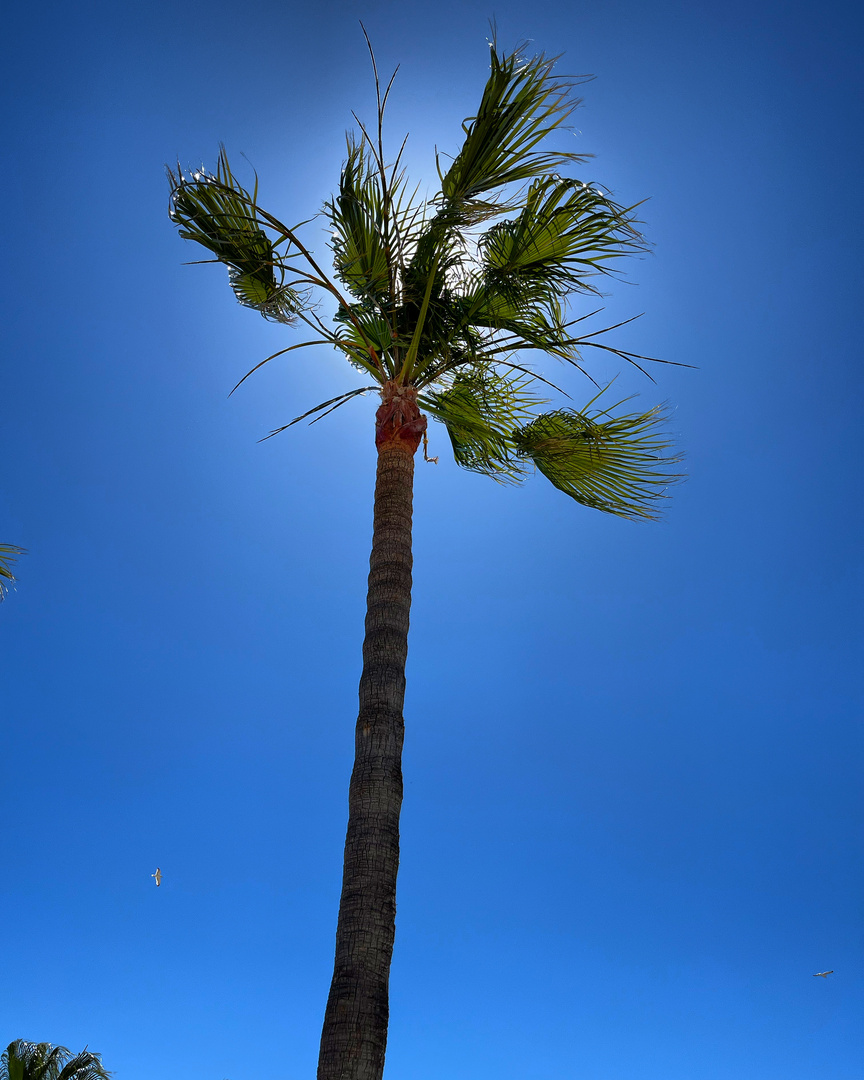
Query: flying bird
{"x": 158, "y": 876}
{"x": 823, "y": 974}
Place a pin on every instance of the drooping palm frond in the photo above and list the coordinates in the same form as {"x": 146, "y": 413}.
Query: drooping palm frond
{"x": 220, "y": 214}
{"x": 23, "y": 1060}
{"x": 617, "y": 464}
{"x": 480, "y": 409}
{"x": 8, "y": 554}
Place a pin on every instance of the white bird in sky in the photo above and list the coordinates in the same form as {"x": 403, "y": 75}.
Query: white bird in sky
{"x": 158, "y": 876}
{"x": 823, "y": 974}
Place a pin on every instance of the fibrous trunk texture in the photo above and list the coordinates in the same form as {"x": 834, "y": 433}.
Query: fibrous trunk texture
{"x": 354, "y": 1038}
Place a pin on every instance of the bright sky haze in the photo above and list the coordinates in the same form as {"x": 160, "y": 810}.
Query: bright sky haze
{"x": 632, "y": 817}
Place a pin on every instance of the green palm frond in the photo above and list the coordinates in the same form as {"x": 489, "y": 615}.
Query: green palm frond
{"x": 323, "y": 409}
{"x": 220, "y": 214}
{"x": 84, "y": 1066}
{"x": 617, "y": 464}
{"x": 523, "y": 307}
{"x": 480, "y": 409}
{"x": 364, "y": 326}
{"x": 566, "y": 231}
{"x": 13, "y": 1058}
{"x": 358, "y": 218}
{"x": 11, "y": 1066}
{"x": 23, "y": 1060}
{"x": 8, "y": 554}
{"x": 522, "y": 103}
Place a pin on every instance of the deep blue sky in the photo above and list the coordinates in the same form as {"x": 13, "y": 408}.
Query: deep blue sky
{"x": 632, "y": 815}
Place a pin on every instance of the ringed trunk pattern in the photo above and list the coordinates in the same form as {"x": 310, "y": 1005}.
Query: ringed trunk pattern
{"x": 354, "y": 1038}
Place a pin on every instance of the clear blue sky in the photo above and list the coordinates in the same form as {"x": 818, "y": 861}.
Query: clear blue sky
{"x": 632, "y": 816}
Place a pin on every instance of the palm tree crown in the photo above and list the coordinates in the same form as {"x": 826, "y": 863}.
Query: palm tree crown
{"x": 442, "y": 302}
{"x": 23, "y": 1060}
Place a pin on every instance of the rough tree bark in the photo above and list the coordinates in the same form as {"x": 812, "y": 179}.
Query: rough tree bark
{"x": 354, "y": 1037}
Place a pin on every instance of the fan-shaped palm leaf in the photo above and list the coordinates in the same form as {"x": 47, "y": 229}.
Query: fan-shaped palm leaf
{"x": 618, "y": 464}
{"x": 358, "y": 218}
{"x": 480, "y": 408}
{"x": 522, "y": 103}
{"x": 566, "y": 231}
{"x": 220, "y": 214}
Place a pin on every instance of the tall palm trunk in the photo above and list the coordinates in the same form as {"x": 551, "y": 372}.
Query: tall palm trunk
{"x": 354, "y": 1038}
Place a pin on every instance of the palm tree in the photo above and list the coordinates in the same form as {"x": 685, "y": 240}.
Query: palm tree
{"x": 440, "y": 304}
{"x": 8, "y": 554}
{"x": 41, "y": 1061}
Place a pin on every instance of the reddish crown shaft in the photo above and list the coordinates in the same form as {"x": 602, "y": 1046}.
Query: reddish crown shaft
{"x": 399, "y": 418}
